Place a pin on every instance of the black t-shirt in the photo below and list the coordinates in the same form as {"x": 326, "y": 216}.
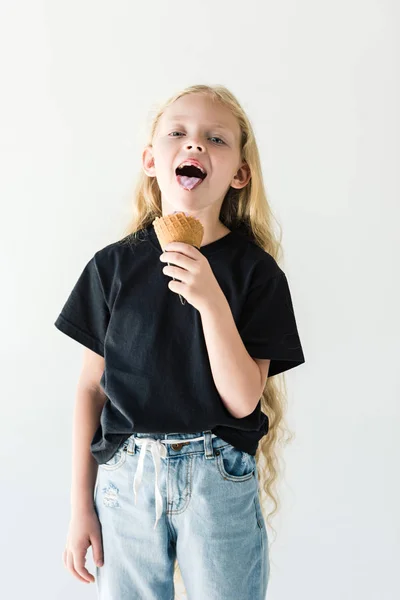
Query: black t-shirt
{"x": 157, "y": 376}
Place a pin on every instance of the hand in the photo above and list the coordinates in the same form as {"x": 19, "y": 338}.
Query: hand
{"x": 84, "y": 531}
{"x": 197, "y": 282}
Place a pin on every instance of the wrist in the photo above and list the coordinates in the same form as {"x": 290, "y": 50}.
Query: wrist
{"x": 83, "y": 503}
{"x": 216, "y": 305}
{"x": 82, "y": 509}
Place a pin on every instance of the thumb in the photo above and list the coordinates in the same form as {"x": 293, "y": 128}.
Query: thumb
{"x": 97, "y": 550}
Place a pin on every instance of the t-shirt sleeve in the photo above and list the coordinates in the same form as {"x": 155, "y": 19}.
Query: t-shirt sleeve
{"x": 268, "y": 326}
{"x": 85, "y": 315}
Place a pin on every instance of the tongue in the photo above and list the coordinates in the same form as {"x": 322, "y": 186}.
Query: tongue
{"x": 188, "y": 182}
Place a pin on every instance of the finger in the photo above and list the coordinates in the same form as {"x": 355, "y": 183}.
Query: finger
{"x": 79, "y": 563}
{"x": 71, "y": 568}
{"x": 175, "y": 258}
{"x": 179, "y": 258}
{"x": 180, "y": 247}
{"x": 175, "y": 272}
{"x": 97, "y": 550}
{"x": 177, "y": 287}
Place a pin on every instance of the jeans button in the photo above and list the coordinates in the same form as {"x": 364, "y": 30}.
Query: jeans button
{"x": 176, "y": 446}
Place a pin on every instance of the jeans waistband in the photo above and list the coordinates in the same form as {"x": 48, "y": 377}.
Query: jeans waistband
{"x": 178, "y": 443}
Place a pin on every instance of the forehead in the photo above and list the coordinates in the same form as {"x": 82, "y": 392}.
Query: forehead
{"x": 195, "y": 108}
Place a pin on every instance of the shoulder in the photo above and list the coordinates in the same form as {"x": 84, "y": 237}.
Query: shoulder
{"x": 259, "y": 263}
{"x": 111, "y": 256}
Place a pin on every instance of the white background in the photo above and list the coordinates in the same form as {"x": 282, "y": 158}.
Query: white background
{"x": 320, "y": 84}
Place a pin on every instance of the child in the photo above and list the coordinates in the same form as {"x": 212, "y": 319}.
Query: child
{"x": 176, "y": 389}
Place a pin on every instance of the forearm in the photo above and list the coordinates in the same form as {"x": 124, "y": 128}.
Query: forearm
{"x": 236, "y": 375}
{"x": 87, "y": 411}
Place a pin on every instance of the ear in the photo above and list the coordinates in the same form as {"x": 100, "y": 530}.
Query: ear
{"x": 148, "y": 161}
{"x": 242, "y": 177}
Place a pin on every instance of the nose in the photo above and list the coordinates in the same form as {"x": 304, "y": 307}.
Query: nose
{"x": 189, "y": 146}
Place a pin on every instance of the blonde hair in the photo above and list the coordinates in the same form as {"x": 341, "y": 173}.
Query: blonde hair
{"x": 245, "y": 209}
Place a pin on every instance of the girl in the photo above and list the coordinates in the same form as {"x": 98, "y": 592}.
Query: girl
{"x": 168, "y": 413}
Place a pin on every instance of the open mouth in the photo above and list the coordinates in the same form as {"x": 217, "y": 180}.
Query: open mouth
{"x": 189, "y": 177}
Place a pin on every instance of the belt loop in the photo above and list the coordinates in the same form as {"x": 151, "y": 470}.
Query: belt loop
{"x": 131, "y": 447}
{"x": 208, "y": 447}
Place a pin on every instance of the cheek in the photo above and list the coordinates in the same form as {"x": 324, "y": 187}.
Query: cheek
{"x": 165, "y": 175}
{"x": 164, "y": 157}
{"x": 223, "y": 172}
{"x": 163, "y": 162}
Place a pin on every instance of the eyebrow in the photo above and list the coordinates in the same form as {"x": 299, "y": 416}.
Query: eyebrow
{"x": 219, "y": 125}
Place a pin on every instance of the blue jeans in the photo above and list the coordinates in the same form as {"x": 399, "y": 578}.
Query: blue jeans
{"x": 186, "y": 496}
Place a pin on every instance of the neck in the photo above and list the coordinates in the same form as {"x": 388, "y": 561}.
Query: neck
{"x": 213, "y": 235}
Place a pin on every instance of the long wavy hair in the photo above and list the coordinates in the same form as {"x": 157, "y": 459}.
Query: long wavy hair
{"x": 248, "y": 210}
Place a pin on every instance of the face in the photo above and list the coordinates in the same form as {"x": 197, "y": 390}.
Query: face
{"x": 195, "y": 128}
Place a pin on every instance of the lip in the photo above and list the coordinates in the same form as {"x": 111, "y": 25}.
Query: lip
{"x": 194, "y": 162}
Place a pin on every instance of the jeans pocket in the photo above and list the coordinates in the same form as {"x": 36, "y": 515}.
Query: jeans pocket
{"x": 234, "y": 464}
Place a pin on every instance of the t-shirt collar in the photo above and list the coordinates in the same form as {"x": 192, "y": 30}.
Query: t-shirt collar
{"x": 207, "y": 250}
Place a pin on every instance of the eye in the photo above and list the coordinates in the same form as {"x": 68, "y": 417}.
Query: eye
{"x": 217, "y": 138}
{"x": 212, "y": 138}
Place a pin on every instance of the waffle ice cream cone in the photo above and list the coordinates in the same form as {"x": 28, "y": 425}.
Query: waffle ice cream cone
{"x": 177, "y": 227}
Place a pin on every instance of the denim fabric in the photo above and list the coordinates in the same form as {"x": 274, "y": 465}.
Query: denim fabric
{"x": 196, "y": 500}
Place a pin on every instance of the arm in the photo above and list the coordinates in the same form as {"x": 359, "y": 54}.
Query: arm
{"x": 237, "y": 377}
{"x": 89, "y": 402}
